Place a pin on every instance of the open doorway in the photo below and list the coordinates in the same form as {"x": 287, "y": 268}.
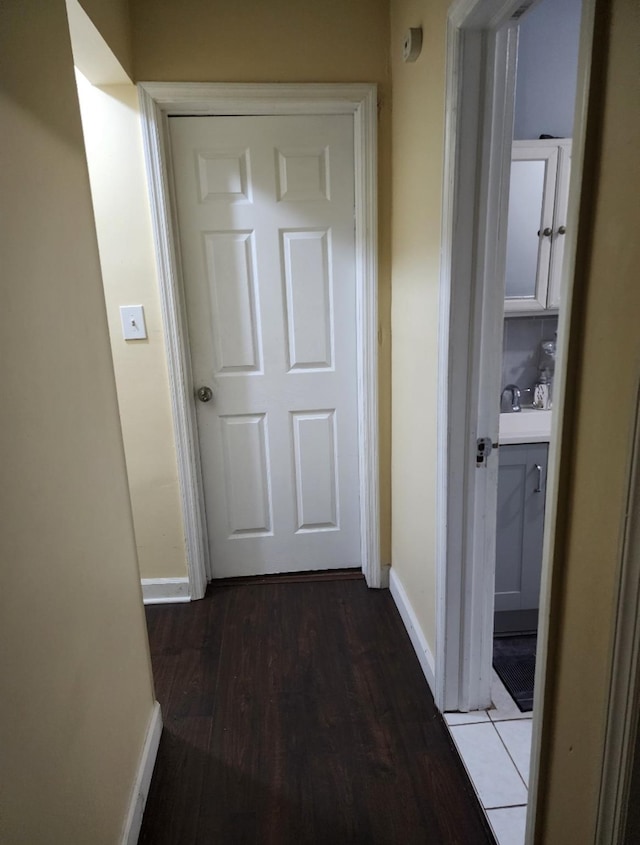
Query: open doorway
{"x": 537, "y": 223}
{"x": 496, "y": 336}
{"x": 476, "y": 366}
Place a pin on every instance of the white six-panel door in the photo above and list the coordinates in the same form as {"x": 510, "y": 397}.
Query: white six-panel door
{"x": 265, "y": 210}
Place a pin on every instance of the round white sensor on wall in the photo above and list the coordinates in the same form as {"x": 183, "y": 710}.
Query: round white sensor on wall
{"x": 412, "y": 44}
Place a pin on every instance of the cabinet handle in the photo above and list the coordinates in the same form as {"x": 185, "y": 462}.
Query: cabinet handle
{"x": 546, "y": 232}
{"x": 562, "y": 230}
{"x": 538, "y": 488}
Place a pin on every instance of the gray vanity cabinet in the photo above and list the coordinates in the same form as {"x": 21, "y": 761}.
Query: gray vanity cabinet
{"x": 522, "y": 478}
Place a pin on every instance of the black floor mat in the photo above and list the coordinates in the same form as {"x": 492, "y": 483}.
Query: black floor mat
{"x": 514, "y": 659}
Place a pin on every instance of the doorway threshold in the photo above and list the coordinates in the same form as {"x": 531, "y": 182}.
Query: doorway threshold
{"x": 495, "y": 748}
{"x": 346, "y": 574}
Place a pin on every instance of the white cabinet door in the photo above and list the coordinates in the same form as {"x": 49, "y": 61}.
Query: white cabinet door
{"x": 559, "y": 224}
{"x": 538, "y": 196}
{"x": 266, "y": 227}
{"x": 529, "y": 228}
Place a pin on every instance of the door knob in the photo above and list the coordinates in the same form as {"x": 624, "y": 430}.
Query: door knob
{"x": 204, "y": 394}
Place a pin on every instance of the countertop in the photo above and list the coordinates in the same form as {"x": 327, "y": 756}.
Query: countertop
{"x": 527, "y": 426}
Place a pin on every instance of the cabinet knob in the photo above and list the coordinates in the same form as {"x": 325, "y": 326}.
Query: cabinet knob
{"x": 562, "y": 230}
{"x": 546, "y": 232}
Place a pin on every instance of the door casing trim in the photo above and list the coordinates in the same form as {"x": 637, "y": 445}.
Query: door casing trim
{"x": 480, "y": 77}
{"x": 461, "y": 599}
{"x": 158, "y": 101}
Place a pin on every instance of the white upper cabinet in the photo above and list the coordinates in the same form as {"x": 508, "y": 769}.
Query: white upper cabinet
{"x": 538, "y": 195}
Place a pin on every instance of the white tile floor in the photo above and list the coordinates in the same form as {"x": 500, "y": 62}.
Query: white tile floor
{"x": 508, "y": 824}
{"x": 495, "y": 747}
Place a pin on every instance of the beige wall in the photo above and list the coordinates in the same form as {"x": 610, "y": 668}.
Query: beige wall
{"x": 111, "y": 123}
{"x": 76, "y": 684}
{"x": 604, "y": 374}
{"x": 284, "y": 41}
{"x": 417, "y": 141}
{"x": 111, "y": 18}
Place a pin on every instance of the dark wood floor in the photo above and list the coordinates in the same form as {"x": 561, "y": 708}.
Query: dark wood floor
{"x": 297, "y": 713}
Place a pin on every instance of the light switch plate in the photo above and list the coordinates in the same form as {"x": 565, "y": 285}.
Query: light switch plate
{"x": 133, "y": 325}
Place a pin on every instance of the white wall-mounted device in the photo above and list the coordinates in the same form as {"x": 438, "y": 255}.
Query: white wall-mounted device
{"x": 133, "y": 325}
{"x": 412, "y": 44}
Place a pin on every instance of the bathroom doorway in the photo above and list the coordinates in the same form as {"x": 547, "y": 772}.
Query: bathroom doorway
{"x": 481, "y": 99}
{"x": 482, "y": 60}
{"x": 537, "y": 226}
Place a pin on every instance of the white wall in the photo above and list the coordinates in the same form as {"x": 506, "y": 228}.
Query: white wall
{"x": 547, "y": 70}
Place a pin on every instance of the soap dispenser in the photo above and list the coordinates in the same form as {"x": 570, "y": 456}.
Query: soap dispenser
{"x": 546, "y": 366}
{"x": 542, "y": 391}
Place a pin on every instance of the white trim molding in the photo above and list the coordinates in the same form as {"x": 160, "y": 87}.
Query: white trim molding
{"x": 165, "y": 590}
{"x": 480, "y": 79}
{"x": 175, "y": 336}
{"x": 414, "y": 629}
{"x": 140, "y": 791}
{"x": 158, "y": 102}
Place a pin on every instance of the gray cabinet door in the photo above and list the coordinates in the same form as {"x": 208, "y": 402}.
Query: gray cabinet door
{"x": 521, "y": 493}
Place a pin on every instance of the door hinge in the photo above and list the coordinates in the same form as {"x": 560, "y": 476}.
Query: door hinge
{"x": 484, "y": 447}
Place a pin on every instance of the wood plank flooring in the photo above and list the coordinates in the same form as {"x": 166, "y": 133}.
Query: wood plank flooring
{"x": 297, "y": 713}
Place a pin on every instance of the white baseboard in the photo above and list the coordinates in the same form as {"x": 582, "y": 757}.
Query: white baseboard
{"x": 165, "y": 590}
{"x": 416, "y": 634}
{"x": 385, "y": 569}
{"x": 142, "y": 782}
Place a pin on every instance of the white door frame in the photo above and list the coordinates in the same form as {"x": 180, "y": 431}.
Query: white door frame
{"x": 158, "y": 101}
{"x": 480, "y": 77}
{"x": 473, "y": 219}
